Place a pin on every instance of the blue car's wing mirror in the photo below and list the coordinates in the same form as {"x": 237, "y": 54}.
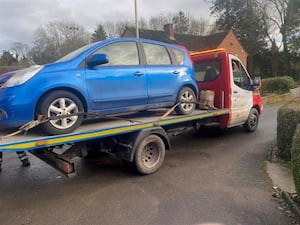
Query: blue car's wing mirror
{"x": 97, "y": 59}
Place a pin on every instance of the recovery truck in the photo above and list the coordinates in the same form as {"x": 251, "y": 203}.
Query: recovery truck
{"x": 141, "y": 139}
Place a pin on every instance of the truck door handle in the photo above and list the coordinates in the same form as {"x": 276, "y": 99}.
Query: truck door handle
{"x": 235, "y": 92}
{"x": 138, "y": 74}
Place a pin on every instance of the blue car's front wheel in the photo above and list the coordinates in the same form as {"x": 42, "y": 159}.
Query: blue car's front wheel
{"x": 63, "y": 107}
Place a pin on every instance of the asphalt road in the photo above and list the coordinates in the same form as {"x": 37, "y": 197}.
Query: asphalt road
{"x": 203, "y": 181}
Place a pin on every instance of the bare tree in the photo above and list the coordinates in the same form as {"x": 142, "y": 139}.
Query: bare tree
{"x": 121, "y": 26}
{"x": 143, "y": 24}
{"x": 99, "y": 34}
{"x": 158, "y": 22}
{"x": 199, "y": 27}
{"x": 116, "y": 29}
{"x": 281, "y": 19}
{"x": 109, "y": 29}
{"x": 183, "y": 23}
{"x": 20, "y": 49}
{"x": 56, "y": 39}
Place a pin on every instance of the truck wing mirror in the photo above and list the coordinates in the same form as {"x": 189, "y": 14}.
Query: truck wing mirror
{"x": 256, "y": 82}
{"x": 97, "y": 59}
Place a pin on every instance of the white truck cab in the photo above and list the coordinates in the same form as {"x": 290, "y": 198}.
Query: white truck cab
{"x": 222, "y": 72}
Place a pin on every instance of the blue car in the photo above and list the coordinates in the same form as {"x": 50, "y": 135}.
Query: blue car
{"x": 108, "y": 77}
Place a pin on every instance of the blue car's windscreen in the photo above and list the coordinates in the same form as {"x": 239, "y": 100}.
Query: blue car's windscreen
{"x": 75, "y": 53}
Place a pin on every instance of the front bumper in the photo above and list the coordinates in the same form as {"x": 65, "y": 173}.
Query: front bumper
{"x": 15, "y": 110}
{"x": 14, "y": 117}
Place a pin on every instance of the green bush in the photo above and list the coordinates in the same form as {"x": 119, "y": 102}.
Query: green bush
{"x": 277, "y": 85}
{"x": 288, "y": 117}
{"x": 296, "y": 159}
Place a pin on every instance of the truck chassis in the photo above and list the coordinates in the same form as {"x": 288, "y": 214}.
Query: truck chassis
{"x": 139, "y": 140}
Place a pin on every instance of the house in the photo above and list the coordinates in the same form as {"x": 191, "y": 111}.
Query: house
{"x": 227, "y": 40}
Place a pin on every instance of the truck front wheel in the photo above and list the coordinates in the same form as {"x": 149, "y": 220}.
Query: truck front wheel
{"x": 149, "y": 154}
{"x": 252, "y": 121}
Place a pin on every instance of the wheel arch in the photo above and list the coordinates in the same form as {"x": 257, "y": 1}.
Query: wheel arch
{"x": 195, "y": 90}
{"x": 71, "y": 90}
{"x": 257, "y": 108}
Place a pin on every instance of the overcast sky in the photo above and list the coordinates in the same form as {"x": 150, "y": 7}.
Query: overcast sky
{"x": 19, "y": 19}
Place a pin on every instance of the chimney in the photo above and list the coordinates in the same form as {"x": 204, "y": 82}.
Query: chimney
{"x": 169, "y": 31}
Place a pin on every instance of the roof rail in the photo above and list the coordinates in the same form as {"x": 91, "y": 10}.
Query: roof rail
{"x": 215, "y": 50}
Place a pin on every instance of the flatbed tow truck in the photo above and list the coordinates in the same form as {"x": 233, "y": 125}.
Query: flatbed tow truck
{"x": 141, "y": 139}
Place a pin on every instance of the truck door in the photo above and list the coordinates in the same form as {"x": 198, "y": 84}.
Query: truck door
{"x": 241, "y": 94}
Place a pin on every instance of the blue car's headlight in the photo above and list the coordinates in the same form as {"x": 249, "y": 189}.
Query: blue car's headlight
{"x": 21, "y": 76}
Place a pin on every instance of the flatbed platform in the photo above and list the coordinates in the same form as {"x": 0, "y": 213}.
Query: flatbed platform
{"x": 101, "y": 128}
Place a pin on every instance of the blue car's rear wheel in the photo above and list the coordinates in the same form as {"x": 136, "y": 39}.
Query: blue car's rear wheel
{"x": 188, "y": 99}
{"x": 60, "y": 104}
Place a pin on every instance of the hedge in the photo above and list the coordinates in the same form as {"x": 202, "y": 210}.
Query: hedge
{"x": 288, "y": 117}
{"x": 296, "y": 158}
{"x": 277, "y": 85}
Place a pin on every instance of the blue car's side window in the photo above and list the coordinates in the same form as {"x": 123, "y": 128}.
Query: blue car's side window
{"x": 177, "y": 56}
{"x": 156, "y": 54}
{"x": 120, "y": 54}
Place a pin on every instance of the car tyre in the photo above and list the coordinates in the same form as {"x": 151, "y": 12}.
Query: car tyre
{"x": 252, "y": 121}
{"x": 186, "y": 95}
{"x": 60, "y": 103}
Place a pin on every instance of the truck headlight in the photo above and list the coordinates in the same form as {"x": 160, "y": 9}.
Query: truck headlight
{"x": 21, "y": 76}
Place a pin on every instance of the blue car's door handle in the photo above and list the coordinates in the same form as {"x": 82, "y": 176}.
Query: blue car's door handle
{"x": 176, "y": 72}
{"x": 138, "y": 73}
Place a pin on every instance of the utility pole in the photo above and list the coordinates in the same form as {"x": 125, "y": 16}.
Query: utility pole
{"x": 136, "y": 18}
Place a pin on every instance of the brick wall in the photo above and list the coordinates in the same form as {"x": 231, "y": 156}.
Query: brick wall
{"x": 232, "y": 44}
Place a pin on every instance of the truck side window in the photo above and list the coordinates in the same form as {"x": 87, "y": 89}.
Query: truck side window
{"x": 240, "y": 76}
{"x": 207, "y": 71}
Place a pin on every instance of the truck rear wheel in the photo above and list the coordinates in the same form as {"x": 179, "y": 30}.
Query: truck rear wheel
{"x": 149, "y": 154}
{"x": 252, "y": 121}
